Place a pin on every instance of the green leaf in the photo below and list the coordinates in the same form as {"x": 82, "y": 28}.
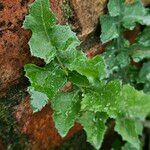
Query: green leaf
{"x": 146, "y": 18}
{"x": 139, "y": 55}
{"x": 144, "y": 74}
{"x": 144, "y": 38}
{"x": 105, "y": 99}
{"x": 47, "y": 37}
{"x": 123, "y": 59}
{"x": 94, "y": 126}
{"x": 91, "y": 68}
{"x": 129, "y": 131}
{"x": 49, "y": 79}
{"x": 141, "y": 49}
{"x": 38, "y": 99}
{"x": 114, "y": 7}
{"x": 63, "y": 38}
{"x": 122, "y": 14}
{"x": 78, "y": 79}
{"x": 110, "y": 57}
{"x": 109, "y": 28}
{"x": 39, "y": 21}
{"x": 117, "y": 57}
{"x": 66, "y": 107}
{"x": 132, "y": 14}
{"x": 136, "y": 104}
{"x": 128, "y": 146}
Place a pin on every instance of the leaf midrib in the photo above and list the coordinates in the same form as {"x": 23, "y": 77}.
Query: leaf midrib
{"x": 43, "y": 22}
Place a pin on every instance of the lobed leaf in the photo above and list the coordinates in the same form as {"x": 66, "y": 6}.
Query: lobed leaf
{"x": 47, "y": 37}
{"x": 94, "y": 126}
{"x": 39, "y": 21}
{"x": 105, "y": 99}
{"x": 121, "y": 14}
{"x": 66, "y": 106}
{"x": 129, "y": 130}
{"x": 114, "y": 7}
{"x": 132, "y": 14}
{"x": 38, "y": 99}
{"x": 75, "y": 60}
{"x": 141, "y": 49}
{"x": 136, "y": 104}
{"x": 78, "y": 79}
{"x": 109, "y": 27}
{"x": 49, "y": 79}
{"x": 144, "y": 76}
{"x": 128, "y": 146}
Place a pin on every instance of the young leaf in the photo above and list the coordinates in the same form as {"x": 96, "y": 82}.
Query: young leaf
{"x": 49, "y": 79}
{"x": 63, "y": 38}
{"x": 114, "y": 7}
{"x": 129, "y": 131}
{"x": 66, "y": 106}
{"x": 47, "y": 37}
{"x": 144, "y": 76}
{"x": 78, "y": 79}
{"x": 38, "y": 99}
{"x": 105, "y": 99}
{"x": 146, "y": 18}
{"x": 128, "y": 146}
{"x": 132, "y": 14}
{"x": 109, "y": 28}
{"x": 39, "y": 21}
{"x": 140, "y": 54}
{"x": 144, "y": 38}
{"x": 94, "y": 126}
{"x": 91, "y": 68}
{"x": 141, "y": 49}
{"x": 136, "y": 104}
{"x": 121, "y": 14}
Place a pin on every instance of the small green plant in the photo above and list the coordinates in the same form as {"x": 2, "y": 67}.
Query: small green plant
{"x": 120, "y": 53}
{"x": 78, "y": 88}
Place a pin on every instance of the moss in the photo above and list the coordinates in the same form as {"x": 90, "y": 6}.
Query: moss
{"x": 9, "y": 130}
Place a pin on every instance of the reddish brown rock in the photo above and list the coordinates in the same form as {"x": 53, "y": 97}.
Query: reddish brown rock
{"x": 14, "y": 49}
{"x": 132, "y": 35}
{"x": 87, "y": 14}
{"x": 40, "y": 126}
{"x": 95, "y": 50}
{"x": 56, "y": 6}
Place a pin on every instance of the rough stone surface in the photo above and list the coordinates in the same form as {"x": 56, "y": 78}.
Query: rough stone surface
{"x": 40, "y": 126}
{"x": 87, "y": 14}
{"x": 14, "y": 49}
{"x": 56, "y": 6}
